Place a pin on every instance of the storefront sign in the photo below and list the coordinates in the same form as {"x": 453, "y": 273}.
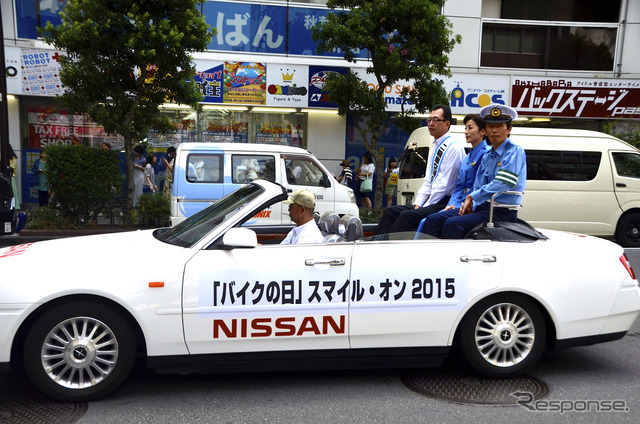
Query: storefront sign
{"x": 287, "y": 85}
{"x": 576, "y": 98}
{"x": 210, "y": 82}
{"x": 245, "y": 27}
{"x": 33, "y": 72}
{"x": 469, "y": 93}
{"x": 317, "y": 80}
{"x": 244, "y": 83}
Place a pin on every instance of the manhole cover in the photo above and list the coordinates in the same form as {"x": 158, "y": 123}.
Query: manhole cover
{"x": 461, "y": 388}
{"x": 35, "y": 408}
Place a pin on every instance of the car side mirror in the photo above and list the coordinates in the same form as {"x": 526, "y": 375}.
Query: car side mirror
{"x": 325, "y": 181}
{"x": 239, "y": 238}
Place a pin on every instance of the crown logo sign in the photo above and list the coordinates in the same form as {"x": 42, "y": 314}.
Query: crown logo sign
{"x": 286, "y": 77}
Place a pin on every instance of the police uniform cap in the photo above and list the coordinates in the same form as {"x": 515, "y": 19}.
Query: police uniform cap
{"x": 302, "y": 197}
{"x": 497, "y": 114}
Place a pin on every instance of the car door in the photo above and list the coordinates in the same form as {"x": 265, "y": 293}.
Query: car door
{"x": 301, "y": 172}
{"x": 268, "y": 298}
{"x": 411, "y": 293}
{"x": 247, "y": 167}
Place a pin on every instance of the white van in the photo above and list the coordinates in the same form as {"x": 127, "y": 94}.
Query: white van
{"x": 205, "y": 172}
{"x": 581, "y": 181}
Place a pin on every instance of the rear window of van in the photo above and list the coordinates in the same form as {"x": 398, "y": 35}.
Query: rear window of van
{"x": 557, "y": 165}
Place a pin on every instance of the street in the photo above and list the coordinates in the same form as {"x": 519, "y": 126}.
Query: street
{"x": 586, "y": 384}
{"x": 583, "y": 384}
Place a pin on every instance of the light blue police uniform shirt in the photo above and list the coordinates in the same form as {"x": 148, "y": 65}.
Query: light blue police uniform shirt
{"x": 467, "y": 174}
{"x": 502, "y": 169}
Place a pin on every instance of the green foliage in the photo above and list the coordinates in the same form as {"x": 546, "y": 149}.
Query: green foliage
{"x": 45, "y": 218}
{"x": 407, "y": 40}
{"x": 628, "y": 133}
{"x": 124, "y": 58}
{"x": 83, "y": 180}
{"x": 153, "y": 210}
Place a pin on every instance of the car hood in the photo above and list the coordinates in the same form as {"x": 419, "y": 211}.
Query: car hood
{"x": 88, "y": 264}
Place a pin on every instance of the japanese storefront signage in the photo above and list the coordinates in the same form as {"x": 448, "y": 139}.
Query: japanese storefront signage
{"x": 287, "y": 85}
{"x": 469, "y": 93}
{"x": 576, "y": 98}
{"x": 245, "y": 83}
{"x": 33, "y": 72}
{"x": 245, "y": 27}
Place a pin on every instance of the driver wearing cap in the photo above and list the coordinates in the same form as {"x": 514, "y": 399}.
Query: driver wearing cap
{"x": 301, "y": 206}
{"x": 503, "y": 168}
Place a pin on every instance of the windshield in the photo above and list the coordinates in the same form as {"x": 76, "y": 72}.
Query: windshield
{"x": 191, "y": 230}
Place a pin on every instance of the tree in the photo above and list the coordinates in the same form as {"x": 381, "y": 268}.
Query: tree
{"x": 124, "y": 58}
{"x": 406, "y": 40}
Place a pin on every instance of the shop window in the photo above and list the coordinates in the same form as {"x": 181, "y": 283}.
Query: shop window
{"x": 548, "y": 47}
{"x": 561, "y": 10}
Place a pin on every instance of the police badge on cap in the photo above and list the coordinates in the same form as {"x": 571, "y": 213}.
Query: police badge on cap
{"x": 498, "y": 113}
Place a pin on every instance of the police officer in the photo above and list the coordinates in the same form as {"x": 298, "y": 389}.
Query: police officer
{"x": 503, "y": 168}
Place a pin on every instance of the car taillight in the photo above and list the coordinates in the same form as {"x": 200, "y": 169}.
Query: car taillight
{"x": 627, "y": 265}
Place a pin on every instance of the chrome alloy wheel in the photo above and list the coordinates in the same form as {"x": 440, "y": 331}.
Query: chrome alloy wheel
{"x": 79, "y": 352}
{"x": 504, "y": 335}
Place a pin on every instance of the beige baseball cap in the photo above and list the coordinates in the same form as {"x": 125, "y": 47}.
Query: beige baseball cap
{"x": 302, "y": 197}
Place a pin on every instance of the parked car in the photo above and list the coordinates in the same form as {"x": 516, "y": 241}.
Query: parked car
{"x": 582, "y": 181}
{"x": 222, "y": 302}
{"x": 206, "y": 172}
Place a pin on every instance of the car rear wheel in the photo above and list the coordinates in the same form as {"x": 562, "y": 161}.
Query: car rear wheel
{"x": 79, "y": 351}
{"x": 503, "y": 336}
{"x": 628, "y": 230}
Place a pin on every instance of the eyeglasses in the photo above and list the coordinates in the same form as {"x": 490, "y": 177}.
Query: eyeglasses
{"x": 435, "y": 120}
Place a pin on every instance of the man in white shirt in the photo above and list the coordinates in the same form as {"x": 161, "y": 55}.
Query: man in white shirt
{"x": 301, "y": 206}
{"x": 443, "y": 163}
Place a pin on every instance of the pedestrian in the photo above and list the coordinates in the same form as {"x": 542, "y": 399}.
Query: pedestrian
{"x": 13, "y": 164}
{"x": 302, "y": 203}
{"x": 443, "y": 164}
{"x": 503, "y": 168}
{"x": 149, "y": 174}
{"x": 346, "y": 175}
{"x": 391, "y": 180}
{"x": 365, "y": 172}
{"x": 106, "y": 146}
{"x": 139, "y": 163}
{"x": 168, "y": 163}
{"x": 44, "y": 190}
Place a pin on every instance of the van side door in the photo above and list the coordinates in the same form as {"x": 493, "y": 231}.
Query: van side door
{"x": 626, "y": 176}
{"x": 303, "y": 172}
{"x": 246, "y": 167}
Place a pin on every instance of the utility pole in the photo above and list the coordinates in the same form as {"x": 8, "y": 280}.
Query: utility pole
{"x": 4, "y": 111}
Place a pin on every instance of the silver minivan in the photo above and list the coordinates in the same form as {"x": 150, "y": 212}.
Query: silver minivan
{"x": 580, "y": 181}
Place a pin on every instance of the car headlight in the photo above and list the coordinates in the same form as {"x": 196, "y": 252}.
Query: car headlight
{"x": 352, "y": 196}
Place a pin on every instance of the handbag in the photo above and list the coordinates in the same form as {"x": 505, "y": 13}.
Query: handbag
{"x": 367, "y": 185}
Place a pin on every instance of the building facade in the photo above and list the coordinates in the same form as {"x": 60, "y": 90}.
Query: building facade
{"x": 568, "y": 63}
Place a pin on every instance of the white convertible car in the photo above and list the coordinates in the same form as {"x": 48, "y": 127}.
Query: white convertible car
{"x": 77, "y": 312}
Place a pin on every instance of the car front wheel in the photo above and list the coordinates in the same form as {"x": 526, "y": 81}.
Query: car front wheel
{"x": 79, "y": 351}
{"x": 503, "y": 336}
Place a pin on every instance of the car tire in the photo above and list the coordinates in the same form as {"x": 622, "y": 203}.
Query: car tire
{"x": 79, "y": 351}
{"x": 503, "y": 336}
{"x": 628, "y": 230}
